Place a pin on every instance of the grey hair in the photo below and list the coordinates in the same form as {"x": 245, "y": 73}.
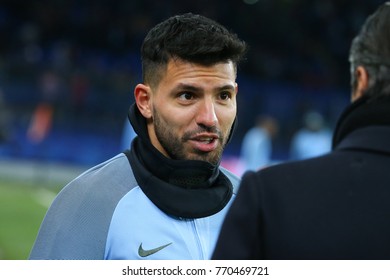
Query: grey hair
{"x": 371, "y": 49}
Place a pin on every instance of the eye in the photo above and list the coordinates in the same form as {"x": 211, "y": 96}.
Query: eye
{"x": 185, "y": 96}
{"x": 225, "y": 95}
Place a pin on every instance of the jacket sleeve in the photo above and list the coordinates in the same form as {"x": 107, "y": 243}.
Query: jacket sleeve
{"x": 77, "y": 223}
{"x": 239, "y": 238}
{"x": 72, "y": 228}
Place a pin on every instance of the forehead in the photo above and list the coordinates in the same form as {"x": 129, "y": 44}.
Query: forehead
{"x": 178, "y": 70}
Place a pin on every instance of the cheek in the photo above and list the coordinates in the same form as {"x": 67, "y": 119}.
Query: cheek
{"x": 181, "y": 112}
{"x": 226, "y": 117}
{"x": 175, "y": 121}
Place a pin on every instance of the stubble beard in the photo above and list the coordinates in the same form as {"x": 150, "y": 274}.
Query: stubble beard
{"x": 176, "y": 148}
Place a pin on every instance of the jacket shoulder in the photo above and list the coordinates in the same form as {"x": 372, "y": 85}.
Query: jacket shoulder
{"x": 77, "y": 222}
{"x": 234, "y": 179}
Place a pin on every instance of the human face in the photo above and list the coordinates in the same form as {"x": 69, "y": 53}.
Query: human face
{"x": 191, "y": 111}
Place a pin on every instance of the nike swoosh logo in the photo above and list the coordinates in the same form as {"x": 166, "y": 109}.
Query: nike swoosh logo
{"x": 144, "y": 253}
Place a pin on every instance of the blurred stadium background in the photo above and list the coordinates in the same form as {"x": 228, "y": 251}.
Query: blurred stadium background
{"x": 68, "y": 68}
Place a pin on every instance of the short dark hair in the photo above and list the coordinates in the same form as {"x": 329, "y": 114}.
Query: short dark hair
{"x": 189, "y": 37}
{"x": 371, "y": 49}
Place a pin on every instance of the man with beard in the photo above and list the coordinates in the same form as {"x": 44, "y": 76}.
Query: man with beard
{"x": 166, "y": 197}
{"x": 335, "y": 206}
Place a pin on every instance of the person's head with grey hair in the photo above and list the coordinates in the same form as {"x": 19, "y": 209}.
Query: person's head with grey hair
{"x": 370, "y": 56}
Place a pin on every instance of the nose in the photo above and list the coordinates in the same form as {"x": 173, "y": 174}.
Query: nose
{"x": 206, "y": 115}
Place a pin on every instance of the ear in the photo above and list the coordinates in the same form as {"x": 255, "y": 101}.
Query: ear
{"x": 362, "y": 82}
{"x": 142, "y": 94}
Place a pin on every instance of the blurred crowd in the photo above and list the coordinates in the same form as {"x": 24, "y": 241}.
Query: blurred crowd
{"x": 302, "y": 41}
{"x": 80, "y": 58}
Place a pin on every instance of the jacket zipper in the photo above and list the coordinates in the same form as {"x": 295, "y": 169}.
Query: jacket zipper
{"x": 198, "y": 242}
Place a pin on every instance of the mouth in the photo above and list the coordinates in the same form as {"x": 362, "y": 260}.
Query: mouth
{"x": 205, "y": 143}
{"x": 206, "y": 140}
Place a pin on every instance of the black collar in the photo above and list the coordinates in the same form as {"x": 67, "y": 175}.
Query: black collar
{"x": 373, "y": 139}
{"x": 364, "y": 113}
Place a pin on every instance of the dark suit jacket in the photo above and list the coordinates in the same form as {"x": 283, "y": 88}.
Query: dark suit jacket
{"x": 335, "y": 206}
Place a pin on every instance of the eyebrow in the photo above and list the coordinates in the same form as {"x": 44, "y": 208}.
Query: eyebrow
{"x": 188, "y": 87}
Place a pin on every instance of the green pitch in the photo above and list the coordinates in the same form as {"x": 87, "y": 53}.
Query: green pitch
{"x": 22, "y": 208}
